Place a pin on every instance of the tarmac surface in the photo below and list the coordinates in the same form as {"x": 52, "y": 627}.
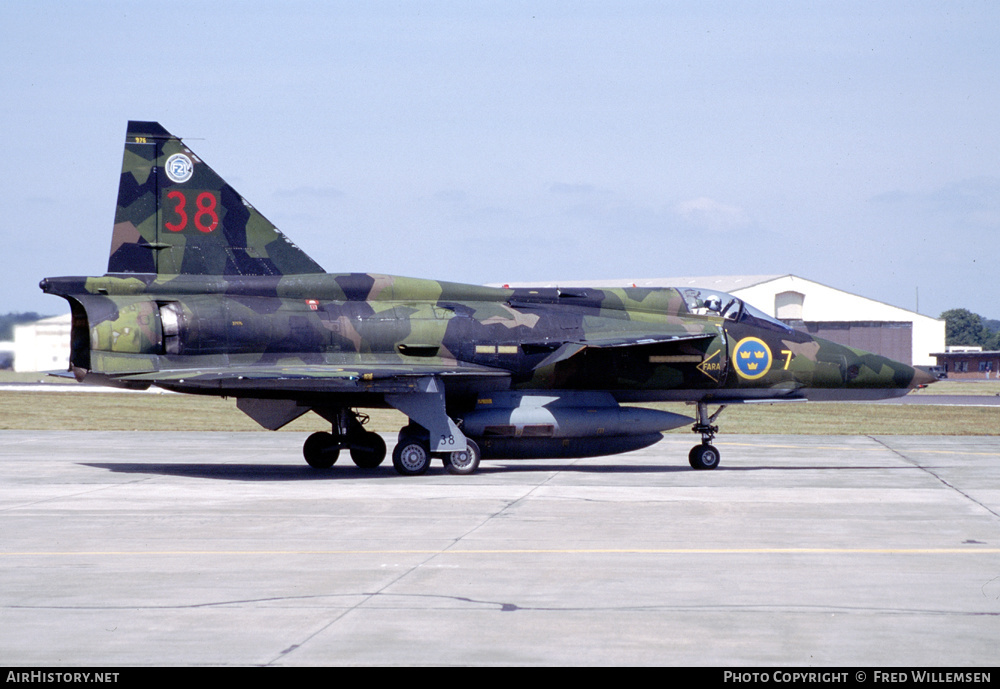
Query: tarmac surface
{"x": 130, "y": 548}
{"x": 946, "y": 400}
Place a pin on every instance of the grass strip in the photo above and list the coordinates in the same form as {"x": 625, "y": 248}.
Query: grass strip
{"x": 116, "y": 411}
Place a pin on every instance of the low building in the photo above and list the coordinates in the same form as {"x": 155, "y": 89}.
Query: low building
{"x": 969, "y": 363}
{"x": 42, "y": 345}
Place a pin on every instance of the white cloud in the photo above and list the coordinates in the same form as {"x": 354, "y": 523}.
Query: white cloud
{"x": 712, "y": 215}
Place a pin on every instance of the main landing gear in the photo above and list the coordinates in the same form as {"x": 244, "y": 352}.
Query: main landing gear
{"x": 705, "y": 456}
{"x": 412, "y": 455}
{"x": 367, "y": 449}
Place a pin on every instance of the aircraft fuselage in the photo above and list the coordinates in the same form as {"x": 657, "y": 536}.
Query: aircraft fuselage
{"x": 145, "y": 323}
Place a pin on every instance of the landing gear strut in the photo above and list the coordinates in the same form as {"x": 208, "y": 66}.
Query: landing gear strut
{"x": 705, "y": 456}
{"x": 367, "y": 449}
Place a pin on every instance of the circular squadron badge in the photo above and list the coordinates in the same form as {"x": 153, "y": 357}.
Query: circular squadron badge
{"x": 179, "y": 168}
{"x": 752, "y": 358}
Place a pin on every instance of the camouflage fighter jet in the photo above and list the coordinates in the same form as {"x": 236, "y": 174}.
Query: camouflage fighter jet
{"x": 203, "y": 295}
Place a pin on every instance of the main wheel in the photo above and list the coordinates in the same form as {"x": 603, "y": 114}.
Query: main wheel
{"x": 321, "y": 450}
{"x": 411, "y": 457}
{"x": 703, "y": 457}
{"x": 463, "y": 461}
{"x": 368, "y": 450}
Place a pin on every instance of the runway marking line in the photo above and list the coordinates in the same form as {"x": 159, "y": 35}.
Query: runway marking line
{"x": 857, "y": 447}
{"x": 545, "y": 551}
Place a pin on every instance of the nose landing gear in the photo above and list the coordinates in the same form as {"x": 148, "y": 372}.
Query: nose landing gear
{"x": 705, "y": 456}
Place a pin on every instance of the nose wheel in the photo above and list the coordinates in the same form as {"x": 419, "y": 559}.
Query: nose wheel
{"x": 705, "y": 456}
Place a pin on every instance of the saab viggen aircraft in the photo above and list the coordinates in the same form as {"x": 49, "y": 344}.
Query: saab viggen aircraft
{"x": 203, "y": 295}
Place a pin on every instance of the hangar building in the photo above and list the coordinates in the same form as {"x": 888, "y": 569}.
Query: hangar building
{"x": 822, "y": 311}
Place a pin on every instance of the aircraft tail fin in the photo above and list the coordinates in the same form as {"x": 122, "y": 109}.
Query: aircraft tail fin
{"x": 177, "y": 216}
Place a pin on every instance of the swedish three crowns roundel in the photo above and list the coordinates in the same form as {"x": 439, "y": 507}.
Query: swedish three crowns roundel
{"x": 752, "y": 358}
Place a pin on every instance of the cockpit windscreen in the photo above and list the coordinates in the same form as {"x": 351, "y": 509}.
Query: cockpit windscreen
{"x": 701, "y": 302}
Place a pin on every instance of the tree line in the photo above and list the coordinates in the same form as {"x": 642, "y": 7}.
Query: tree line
{"x": 9, "y": 320}
{"x": 962, "y": 327}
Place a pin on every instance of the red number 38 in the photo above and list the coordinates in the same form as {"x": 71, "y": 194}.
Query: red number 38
{"x": 206, "y": 218}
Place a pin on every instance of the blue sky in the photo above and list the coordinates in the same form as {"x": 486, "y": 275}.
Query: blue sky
{"x": 852, "y": 143}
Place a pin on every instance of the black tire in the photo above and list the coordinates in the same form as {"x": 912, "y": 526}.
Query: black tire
{"x": 703, "y": 457}
{"x": 463, "y": 462}
{"x": 368, "y": 450}
{"x": 411, "y": 457}
{"x": 321, "y": 450}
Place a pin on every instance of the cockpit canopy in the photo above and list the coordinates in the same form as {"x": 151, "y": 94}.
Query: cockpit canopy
{"x": 703, "y": 302}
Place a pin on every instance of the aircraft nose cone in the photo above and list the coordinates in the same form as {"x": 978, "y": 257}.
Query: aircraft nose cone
{"x": 922, "y": 378}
